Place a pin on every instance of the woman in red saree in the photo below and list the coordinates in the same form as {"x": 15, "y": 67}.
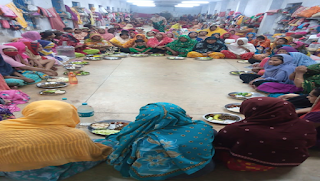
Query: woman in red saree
{"x": 158, "y": 43}
{"x": 270, "y": 136}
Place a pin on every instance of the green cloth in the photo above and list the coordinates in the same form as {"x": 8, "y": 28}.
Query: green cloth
{"x": 182, "y": 47}
{"x": 140, "y": 47}
{"x": 91, "y": 51}
{"x": 159, "y": 26}
{"x": 311, "y": 78}
{"x": 79, "y": 55}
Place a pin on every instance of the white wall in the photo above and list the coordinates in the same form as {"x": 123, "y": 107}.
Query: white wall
{"x": 173, "y": 10}
{"x": 111, "y": 3}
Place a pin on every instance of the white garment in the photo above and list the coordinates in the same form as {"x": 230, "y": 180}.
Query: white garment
{"x": 235, "y": 48}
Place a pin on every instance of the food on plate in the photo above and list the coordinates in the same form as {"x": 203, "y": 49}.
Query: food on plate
{"x": 80, "y": 63}
{"x": 52, "y": 92}
{"x": 51, "y": 84}
{"x": 105, "y": 132}
{"x": 58, "y": 79}
{"x": 234, "y": 108}
{"x": 242, "y": 94}
{"x": 120, "y": 125}
{"x": 157, "y": 55}
{"x": 139, "y": 55}
{"x": 220, "y": 117}
{"x": 175, "y": 58}
{"x": 80, "y": 72}
{"x": 204, "y": 58}
{"x": 100, "y": 125}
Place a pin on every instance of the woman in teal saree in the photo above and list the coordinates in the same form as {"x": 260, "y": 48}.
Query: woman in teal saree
{"x": 159, "y": 22}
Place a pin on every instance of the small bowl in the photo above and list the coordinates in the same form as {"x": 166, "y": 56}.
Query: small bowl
{"x": 227, "y": 121}
{"x": 73, "y": 67}
{"x": 176, "y": 58}
{"x": 112, "y": 58}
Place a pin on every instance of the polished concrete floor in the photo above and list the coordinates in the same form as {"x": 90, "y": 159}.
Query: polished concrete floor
{"x": 117, "y": 89}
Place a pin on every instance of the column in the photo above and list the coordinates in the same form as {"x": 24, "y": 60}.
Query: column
{"x": 242, "y": 6}
{"x": 269, "y": 22}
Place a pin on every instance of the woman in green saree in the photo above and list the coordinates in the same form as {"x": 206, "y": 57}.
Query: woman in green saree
{"x": 159, "y": 22}
{"x": 181, "y": 47}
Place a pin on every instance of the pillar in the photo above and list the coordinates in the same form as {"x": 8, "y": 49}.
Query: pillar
{"x": 242, "y": 6}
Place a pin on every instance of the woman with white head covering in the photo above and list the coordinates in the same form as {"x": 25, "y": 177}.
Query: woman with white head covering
{"x": 241, "y": 49}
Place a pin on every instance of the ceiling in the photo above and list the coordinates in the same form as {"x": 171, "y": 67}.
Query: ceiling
{"x": 175, "y": 2}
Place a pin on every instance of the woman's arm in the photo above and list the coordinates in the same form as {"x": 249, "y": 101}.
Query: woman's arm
{"x": 49, "y": 72}
{"x": 23, "y": 61}
{"x": 298, "y": 80}
{"x": 304, "y": 110}
{"x": 172, "y": 51}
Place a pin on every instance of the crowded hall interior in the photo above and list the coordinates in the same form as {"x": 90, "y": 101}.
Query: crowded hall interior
{"x": 124, "y": 90}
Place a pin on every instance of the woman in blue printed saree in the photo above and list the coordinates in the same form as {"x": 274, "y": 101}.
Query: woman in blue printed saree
{"x": 162, "y": 143}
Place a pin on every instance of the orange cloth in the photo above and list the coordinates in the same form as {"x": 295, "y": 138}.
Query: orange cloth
{"x": 46, "y": 136}
{"x": 131, "y": 42}
{"x": 265, "y": 43}
{"x": 3, "y": 84}
{"x": 309, "y": 12}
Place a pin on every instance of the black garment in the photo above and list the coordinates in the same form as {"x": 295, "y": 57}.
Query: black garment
{"x": 246, "y": 78}
{"x": 125, "y": 50}
{"x": 300, "y": 101}
{"x": 157, "y": 50}
{"x": 259, "y": 82}
{"x": 252, "y": 61}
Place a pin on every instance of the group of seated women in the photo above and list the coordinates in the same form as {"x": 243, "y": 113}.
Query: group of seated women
{"x": 163, "y": 142}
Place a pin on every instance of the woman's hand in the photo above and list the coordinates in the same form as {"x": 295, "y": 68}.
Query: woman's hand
{"x": 301, "y": 69}
{"x": 174, "y": 53}
{"x": 28, "y": 80}
{"x": 288, "y": 96}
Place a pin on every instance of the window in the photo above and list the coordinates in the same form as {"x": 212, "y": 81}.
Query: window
{"x": 57, "y": 4}
{"x": 108, "y": 7}
{"x": 113, "y": 9}
{"x": 75, "y": 4}
{"x": 100, "y": 6}
{"x": 91, "y": 6}
{"x": 118, "y": 9}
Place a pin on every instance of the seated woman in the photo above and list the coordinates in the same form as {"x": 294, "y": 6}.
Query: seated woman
{"x": 267, "y": 138}
{"x": 159, "y": 42}
{"x": 307, "y": 78}
{"x": 278, "y": 69}
{"x": 119, "y": 41}
{"x": 181, "y": 47}
{"x": 53, "y": 148}
{"x": 208, "y": 48}
{"x": 250, "y": 36}
{"x": 11, "y": 56}
{"x": 280, "y": 41}
{"x": 241, "y": 49}
{"x": 215, "y": 29}
{"x": 170, "y": 35}
{"x": 47, "y": 50}
{"x": 151, "y": 34}
{"x": 259, "y": 68}
{"x": 193, "y": 35}
{"x": 233, "y": 35}
{"x": 162, "y": 143}
{"x": 97, "y": 42}
{"x": 78, "y": 34}
{"x": 225, "y": 36}
{"x": 139, "y": 47}
{"x": 261, "y": 43}
{"x": 131, "y": 42}
{"x": 202, "y": 35}
{"x": 11, "y": 76}
{"x": 47, "y": 35}
{"x": 313, "y": 114}
{"x": 298, "y": 58}
{"x": 32, "y": 50}
{"x": 298, "y": 45}
{"x": 105, "y": 34}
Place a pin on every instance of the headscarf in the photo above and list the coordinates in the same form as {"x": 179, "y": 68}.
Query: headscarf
{"x": 131, "y": 42}
{"x": 154, "y": 42}
{"x": 274, "y": 44}
{"x": 30, "y": 36}
{"x": 271, "y": 134}
{"x": 218, "y": 39}
{"x": 280, "y": 73}
{"x": 47, "y": 47}
{"x": 21, "y": 47}
{"x": 14, "y": 62}
{"x": 69, "y": 38}
{"x": 161, "y": 132}
{"x": 46, "y": 136}
{"x": 234, "y": 47}
{"x": 301, "y": 59}
{"x": 298, "y": 44}
{"x": 107, "y": 36}
{"x": 204, "y": 47}
{"x": 33, "y": 46}
{"x": 180, "y": 46}
{"x": 176, "y": 26}
{"x": 218, "y": 30}
{"x": 155, "y": 30}
{"x": 288, "y": 49}
{"x": 128, "y": 26}
{"x": 235, "y": 37}
{"x": 5, "y": 68}
{"x": 222, "y": 36}
{"x": 311, "y": 78}
{"x": 250, "y": 33}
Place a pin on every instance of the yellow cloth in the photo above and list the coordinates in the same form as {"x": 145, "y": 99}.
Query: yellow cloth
{"x": 239, "y": 20}
{"x": 78, "y": 16}
{"x": 215, "y": 55}
{"x": 92, "y": 20}
{"x": 100, "y": 43}
{"x": 218, "y": 30}
{"x": 131, "y": 42}
{"x": 118, "y": 41}
{"x": 128, "y": 26}
{"x": 176, "y": 26}
{"x": 20, "y": 19}
{"x": 46, "y": 136}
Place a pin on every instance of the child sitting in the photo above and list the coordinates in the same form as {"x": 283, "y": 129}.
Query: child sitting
{"x": 140, "y": 47}
{"x": 150, "y": 34}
